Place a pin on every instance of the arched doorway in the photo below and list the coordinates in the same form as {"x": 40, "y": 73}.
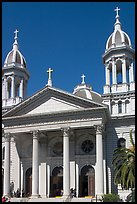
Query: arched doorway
{"x": 56, "y": 181}
{"x": 87, "y": 181}
{"x": 28, "y": 189}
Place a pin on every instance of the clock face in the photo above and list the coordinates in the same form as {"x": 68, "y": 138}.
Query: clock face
{"x": 87, "y": 146}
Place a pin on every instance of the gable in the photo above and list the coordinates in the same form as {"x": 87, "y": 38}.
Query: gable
{"x": 51, "y": 100}
{"x": 53, "y": 105}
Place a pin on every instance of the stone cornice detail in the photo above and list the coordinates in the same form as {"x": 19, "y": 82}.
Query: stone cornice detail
{"x": 69, "y": 116}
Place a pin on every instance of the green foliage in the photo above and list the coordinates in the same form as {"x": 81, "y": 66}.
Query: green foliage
{"x": 110, "y": 198}
{"x": 124, "y": 165}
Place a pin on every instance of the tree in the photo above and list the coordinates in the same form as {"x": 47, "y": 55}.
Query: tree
{"x": 124, "y": 165}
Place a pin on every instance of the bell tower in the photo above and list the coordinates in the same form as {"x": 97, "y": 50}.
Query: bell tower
{"x": 119, "y": 90}
{"x": 14, "y": 78}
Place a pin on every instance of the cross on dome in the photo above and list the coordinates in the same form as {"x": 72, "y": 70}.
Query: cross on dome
{"x": 83, "y": 77}
{"x": 117, "y": 9}
{"x": 16, "y": 31}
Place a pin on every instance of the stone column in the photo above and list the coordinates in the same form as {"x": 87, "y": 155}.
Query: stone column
{"x": 21, "y": 182}
{"x": 35, "y": 166}
{"x": 99, "y": 163}
{"x": 124, "y": 80}
{"x": 114, "y": 75}
{"x": 7, "y": 166}
{"x": 107, "y": 75}
{"x": 66, "y": 164}
{"x": 131, "y": 73}
{"x": 21, "y": 88}
{"x": 13, "y": 87}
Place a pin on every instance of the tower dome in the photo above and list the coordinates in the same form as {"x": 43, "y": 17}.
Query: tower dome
{"x": 85, "y": 91}
{"x": 14, "y": 78}
{"x": 118, "y": 38}
{"x": 14, "y": 57}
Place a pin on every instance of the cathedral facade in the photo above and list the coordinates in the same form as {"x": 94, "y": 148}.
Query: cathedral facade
{"x": 54, "y": 140}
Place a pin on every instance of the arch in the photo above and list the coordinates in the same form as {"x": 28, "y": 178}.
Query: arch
{"x": 3, "y": 153}
{"x": 9, "y": 87}
{"x": 17, "y": 86}
{"x": 127, "y": 106}
{"x": 121, "y": 142}
{"x": 56, "y": 186}
{"x": 87, "y": 181}
{"x": 120, "y": 107}
{"x": 28, "y": 183}
{"x": 119, "y": 71}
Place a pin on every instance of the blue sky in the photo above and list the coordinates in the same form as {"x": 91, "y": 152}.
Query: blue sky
{"x": 69, "y": 37}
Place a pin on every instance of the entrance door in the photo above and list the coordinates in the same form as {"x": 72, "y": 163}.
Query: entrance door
{"x": 28, "y": 190}
{"x": 87, "y": 181}
{"x": 57, "y": 182}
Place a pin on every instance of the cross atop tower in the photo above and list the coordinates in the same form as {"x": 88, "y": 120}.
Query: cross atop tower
{"x": 117, "y": 9}
{"x": 16, "y": 31}
{"x": 49, "y": 77}
{"x": 83, "y": 77}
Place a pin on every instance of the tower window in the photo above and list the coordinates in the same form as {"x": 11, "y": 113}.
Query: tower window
{"x": 9, "y": 89}
{"x": 120, "y": 107}
{"x": 112, "y": 107}
{"x": 126, "y": 106}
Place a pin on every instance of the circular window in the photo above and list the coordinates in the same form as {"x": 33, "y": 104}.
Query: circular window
{"x": 87, "y": 146}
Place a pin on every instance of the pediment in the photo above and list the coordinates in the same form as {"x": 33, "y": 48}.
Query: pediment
{"x": 50, "y": 100}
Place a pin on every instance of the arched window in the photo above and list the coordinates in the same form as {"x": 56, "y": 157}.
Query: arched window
{"x": 120, "y": 107}
{"x": 119, "y": 71}
{"x": 3, "y": 153}
{"x": 121, "y": 142}
{"x": 127, "y": 106}
{"x": 9, "y": 88}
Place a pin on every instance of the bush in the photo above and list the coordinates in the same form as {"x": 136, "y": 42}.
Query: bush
{"x": 110, "y": 198}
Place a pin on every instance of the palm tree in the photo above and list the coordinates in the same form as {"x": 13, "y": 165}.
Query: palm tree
{"x": 124, "y": 165}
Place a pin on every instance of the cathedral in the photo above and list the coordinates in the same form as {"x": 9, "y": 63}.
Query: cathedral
{"x": 54, "y": 141}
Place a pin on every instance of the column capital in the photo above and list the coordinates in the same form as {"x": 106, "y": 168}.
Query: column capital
{"x": 7, "y": 137}
{"x": 65, "y": 131}
{"x": 35, "y": 134}
{"x": 99, "y": 128}
{"x": 113, "y": 58}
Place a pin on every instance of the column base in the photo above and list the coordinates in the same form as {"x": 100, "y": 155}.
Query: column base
{"x": 35, "y": 196}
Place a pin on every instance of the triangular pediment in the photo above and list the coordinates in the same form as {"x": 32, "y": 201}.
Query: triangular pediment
{"x": 51, "y": 100}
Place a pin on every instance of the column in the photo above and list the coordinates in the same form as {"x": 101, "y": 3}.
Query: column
{"x": 48, "y": 181}
{"x": 131, "y": 73}
{"x": 124, "y": 80}
{"x": 99, "y": 162}
{"x": 77, "y": 181}
{"x": 35, "y": 166}
{"x": 107, "y": 75}
{"x": 66, "y": 165}
{"x": 21, "y": 88}
{"x": 7, "y": 166}
{"x": 13, "y": 87}
{"x": 114, "y": 75}
{"x": 21, "y": 182}
{"x": 5, "y": 88}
